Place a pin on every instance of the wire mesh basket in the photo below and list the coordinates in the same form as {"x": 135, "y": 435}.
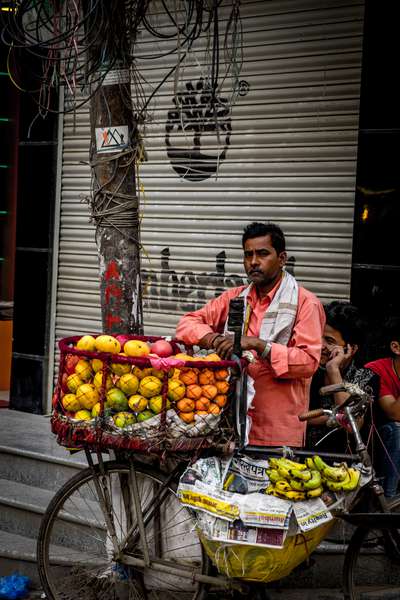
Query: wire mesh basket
{"x": 111, "y": 400}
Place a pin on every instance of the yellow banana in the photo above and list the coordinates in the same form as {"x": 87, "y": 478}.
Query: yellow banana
{"x": 319, "y": 463}
{"x": 273, "y": 475}
{"x": 315, "y": 493}
{"x": 354, "y": 475}
{"x": 297, "y": 485}
{"x": 303, "y": 475}
{"x": 314, "y": 482}
{"x": 310, "y": 463}
{"x": 286, "y": 463}
{"x": 282, "y": 486}
{"x": 294, "y": 495}
{"x": 335, "y": 473}
{"x": 334, "y": 486}
{"x": 292, "y": 464}
{"x": 330, "y": 473}
{"x": 270, "y": 489}
{"x": 284, "y": 472}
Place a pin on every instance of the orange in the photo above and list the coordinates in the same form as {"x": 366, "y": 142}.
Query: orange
{"x": 209, "y": 391}
{"x": 188, "y": 376}
{"x": 222, "y": 386}
{"x": 221, "y": 374}
{"x": 202, "y": 404}
{"x": 206, "y": 376}
{"x": 220, "y": 399}
{"x": 202, "y": 413}
{"x": 186, "y": 405}
{"x": 214, "y": 409}
{"x": 213, "y": 357}
{"x": 188, "y": 417}
{"x": 194, "y": 391}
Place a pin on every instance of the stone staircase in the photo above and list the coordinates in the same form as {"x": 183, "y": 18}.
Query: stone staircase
{"x": 33, "y": 466}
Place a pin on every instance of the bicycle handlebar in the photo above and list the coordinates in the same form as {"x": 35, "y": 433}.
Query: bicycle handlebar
{"x": 311, "y": 414}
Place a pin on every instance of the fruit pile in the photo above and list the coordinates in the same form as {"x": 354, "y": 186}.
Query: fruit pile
{"x": 133, "y": 394}
{"x": 298, "y": 481}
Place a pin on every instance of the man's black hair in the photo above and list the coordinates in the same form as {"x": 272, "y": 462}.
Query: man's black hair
{"x": 391, "y": 331}
{"x": 346, "y": 318}
{"x": 254, "y": 230}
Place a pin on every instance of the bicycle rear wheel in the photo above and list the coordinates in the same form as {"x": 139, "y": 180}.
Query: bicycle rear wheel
{"x": 83, "y": 533}
{"x": 371, "y": 568}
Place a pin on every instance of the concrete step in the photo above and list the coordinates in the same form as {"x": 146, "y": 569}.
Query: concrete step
{"x": 22, "y": 508}
{"x": 18, "y": 553}
{"x": 29, "y": 452}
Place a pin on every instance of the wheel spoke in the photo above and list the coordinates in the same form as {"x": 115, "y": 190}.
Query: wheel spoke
{"x": 76, "y": 551}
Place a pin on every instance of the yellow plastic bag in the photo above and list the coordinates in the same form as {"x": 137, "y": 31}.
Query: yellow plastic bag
{"x": 256, "y": 563}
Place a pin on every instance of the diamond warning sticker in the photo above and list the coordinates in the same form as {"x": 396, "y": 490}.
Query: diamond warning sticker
{"x": 112, "y": 139}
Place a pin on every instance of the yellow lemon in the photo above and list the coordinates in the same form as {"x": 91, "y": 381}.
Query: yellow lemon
{"x": 143, "y": 416}
{"x": 157, "y": 373}
{"x": 123, "y": 419}
{"x": 176, "y": 390}
{"x": 73, "y": 382}
{"x": 117, "y": 400}
{"x": 140, "y": 373}
{"x": 136, "y": 348}
{"x": 155, "y": 404}
{"x": 70, "y": 403}
{"x": 97, "y": 364}
{"x": 87, "y": 395}
{"x": 107, "y": 343}
{"x": 121, "y": 368}
{"x": 137, "y": 403}
{"x": 98, "y": 380}
{"x": 150, "y": 386}
{"x": 96, "y": 410}
{"x": 128, "y": 383}
{"x": 84, "y": 370}
{"x": 87, "y": 342}
{"x": 83, "y": 415}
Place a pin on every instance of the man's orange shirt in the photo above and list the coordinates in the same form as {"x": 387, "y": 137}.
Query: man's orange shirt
{"x": 281, "y": 381}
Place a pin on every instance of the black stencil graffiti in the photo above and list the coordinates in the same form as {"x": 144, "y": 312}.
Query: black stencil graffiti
{"x": 197, "y": 112}
{"x": 166, "y": 290}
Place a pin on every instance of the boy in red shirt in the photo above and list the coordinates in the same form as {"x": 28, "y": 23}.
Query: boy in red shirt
{"x": 388, "y": 408}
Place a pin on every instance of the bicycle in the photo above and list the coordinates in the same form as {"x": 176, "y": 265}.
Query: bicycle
{"x": 117, "y": 531}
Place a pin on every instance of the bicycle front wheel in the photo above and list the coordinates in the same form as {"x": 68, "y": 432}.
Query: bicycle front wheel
{"x": 371, "y": 566}
{"x": 84, "y": 534}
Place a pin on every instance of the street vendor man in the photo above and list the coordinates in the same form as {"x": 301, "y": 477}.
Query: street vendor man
{"x": 283, "y": 325}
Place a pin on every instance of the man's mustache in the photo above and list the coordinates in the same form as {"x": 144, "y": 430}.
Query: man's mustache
{"x": 255, "y": 271}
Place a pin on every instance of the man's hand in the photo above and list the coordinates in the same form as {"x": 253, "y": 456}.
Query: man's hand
{"x": 337, "y": 358}
{"x": 224, "y": 345}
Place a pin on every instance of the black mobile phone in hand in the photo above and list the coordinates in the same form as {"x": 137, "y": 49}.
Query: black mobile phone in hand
{"x": 235, "y": 323}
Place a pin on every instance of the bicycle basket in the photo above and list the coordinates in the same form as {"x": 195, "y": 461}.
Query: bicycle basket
{"x": 111, "y": 400}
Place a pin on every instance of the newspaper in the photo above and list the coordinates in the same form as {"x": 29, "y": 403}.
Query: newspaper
{"x": 246, "y": 475}
{"x": 311, "y": 514}
{"x": 238, "y": 533}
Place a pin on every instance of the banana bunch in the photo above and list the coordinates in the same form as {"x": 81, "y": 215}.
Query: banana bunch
{"x": 336, "y": 479}
{"x": 300, "y": 481}
{"x": 292, "y": 480}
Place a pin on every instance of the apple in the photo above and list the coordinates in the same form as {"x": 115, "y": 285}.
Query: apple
{"x": 162, "y": 348}
{"x": 71, "y": 361}
{"x": 122, "y": 338}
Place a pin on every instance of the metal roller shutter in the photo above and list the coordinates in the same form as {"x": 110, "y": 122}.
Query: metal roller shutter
{"x": 290, "y": 158}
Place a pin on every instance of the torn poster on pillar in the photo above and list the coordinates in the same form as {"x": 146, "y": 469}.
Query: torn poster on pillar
{"x": 112, "y": 139}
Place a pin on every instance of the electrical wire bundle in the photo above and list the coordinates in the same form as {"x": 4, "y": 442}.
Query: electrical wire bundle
{"x": 75, "y": 43}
